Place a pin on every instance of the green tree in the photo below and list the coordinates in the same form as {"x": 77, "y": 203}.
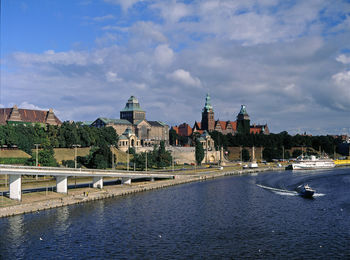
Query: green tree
{"x": 296, "y": 153}
{"x": 101, "y": 158}
{"x": 163, "y": 158}
{"x": 199, "y": 152}
{"x": 245, "y": 155}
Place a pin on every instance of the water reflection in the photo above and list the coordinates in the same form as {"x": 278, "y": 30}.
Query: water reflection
{"x": 15, "y": 233}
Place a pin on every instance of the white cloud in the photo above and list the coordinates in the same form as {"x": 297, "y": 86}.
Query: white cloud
{"x": 184, "y": 77}
{"x": 172, "y": 11}
{"x": 147, "y": 32}
{"x": 112, "y": 77}
{"x": 163, "y": 55}
{"x": 125, "y": 4}
{"x": 27, "y": 105}
{"x": 50, "y": 56}
{"x": 104, "y": 18}
{"x": 276, "y": 58}
{"x": 343, "y": 59}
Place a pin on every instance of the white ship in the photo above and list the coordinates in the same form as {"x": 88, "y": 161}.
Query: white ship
{"x": 312, "y": 162}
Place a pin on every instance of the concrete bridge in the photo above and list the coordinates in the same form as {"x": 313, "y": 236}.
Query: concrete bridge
{"x": 61, "y": 174}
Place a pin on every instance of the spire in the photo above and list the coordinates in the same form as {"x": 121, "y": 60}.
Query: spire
{"x": 132, "y": 105}
{"x": 243, "y": 115}
{"x": 243, "y": 110}
{"x": 207, "y": 106}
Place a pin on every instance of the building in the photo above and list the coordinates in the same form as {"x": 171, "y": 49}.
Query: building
{"x": 183, "y": 130}
{"x": 133, "y": 117}
{"x": 208, "y": 123}
{"x": 128, "y": 139}
{"x": 17, "y": 115}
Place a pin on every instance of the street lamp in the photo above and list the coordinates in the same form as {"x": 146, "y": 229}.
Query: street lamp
{"x": 37, "y": 154}
{"x": 146, "y": 160}
{"x": 75, "y": 161}
{"x": 75, "y": 154}
{"x": 112, "y": 148}
{"x": 37, "y": 158}
{"x": 127, "y": 154}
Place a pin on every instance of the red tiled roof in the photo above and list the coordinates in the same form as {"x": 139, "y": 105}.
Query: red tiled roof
{"x": 27, "y": 116}
{"x": 222, "y": 124}
{"x": 233, "y": 125}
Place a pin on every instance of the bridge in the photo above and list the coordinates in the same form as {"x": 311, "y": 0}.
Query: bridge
{"x": 61, "y": 174}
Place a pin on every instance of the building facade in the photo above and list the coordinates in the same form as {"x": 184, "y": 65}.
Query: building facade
{"x": 133, "y": 117}
{"x": 208, "y": 123}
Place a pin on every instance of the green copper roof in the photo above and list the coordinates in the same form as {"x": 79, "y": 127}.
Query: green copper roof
{"x": 207, "y": 105}
{"x": 243, "y": 110}
{"x": 114, "y": 121}
{"x": 128, "y": 132}
{"x": 205, "y": 134}
{"x": 132, "y": 105}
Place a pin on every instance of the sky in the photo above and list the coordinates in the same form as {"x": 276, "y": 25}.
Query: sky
{"x": 287, "y": 61}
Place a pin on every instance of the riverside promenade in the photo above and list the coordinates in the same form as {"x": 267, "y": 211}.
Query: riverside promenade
{"x": 38, "y": 201}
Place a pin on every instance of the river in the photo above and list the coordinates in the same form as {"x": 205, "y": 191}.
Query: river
{"x": 238, "y": 217}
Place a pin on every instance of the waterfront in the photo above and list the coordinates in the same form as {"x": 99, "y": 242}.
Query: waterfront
{"x": 229, "y": 217}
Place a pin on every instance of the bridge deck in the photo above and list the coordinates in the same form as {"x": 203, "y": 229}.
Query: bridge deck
{"x": 56, "y": 171}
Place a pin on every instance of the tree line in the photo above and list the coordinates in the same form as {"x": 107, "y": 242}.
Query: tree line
{"x": 274, "y": 144}
{"x": 65, "y": 136}
{"x": 26, "y": 136}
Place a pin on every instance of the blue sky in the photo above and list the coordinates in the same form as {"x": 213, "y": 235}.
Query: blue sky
{"x": 287, "y": 61}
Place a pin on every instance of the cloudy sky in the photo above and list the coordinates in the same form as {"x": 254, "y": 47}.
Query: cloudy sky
{"x": 287, "y": 61}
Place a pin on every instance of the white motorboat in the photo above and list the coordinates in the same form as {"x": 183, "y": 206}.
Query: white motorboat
{"x": 305, "y": 191}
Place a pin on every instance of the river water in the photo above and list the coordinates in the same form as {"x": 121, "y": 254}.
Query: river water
{"x": 238, "y": 217}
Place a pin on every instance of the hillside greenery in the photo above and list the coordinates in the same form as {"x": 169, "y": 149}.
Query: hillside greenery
{"x": 64, "y": 136}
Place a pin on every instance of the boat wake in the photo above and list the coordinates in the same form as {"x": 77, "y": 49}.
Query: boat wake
{"x": 279, "y": 191}
{"x": 286, "y": 192}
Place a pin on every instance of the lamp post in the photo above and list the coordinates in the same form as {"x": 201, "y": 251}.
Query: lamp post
{"x": 241, "y": 152}
{"x": 146, "y": 161}
{"x": 75, "y": 154}
{"x": 37, "y": 154}
{"x": 112, "y": 148}
{"x": 173, "y": 159}
{"x": 37, "y": 157}
{"x": 127, "y": 154}
{"x": 75, "y": 161}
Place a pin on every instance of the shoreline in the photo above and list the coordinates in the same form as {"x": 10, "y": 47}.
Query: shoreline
{"x": 89, "y": 194}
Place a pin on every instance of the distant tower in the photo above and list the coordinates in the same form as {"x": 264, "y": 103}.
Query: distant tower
{"x": 132, "y": 111}
{"x": 208, "y": 121}
{"x": 243, "y": 121}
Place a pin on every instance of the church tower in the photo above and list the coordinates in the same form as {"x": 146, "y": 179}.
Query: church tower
{"x": 243, "y": 121}
{"x": 208, "y": 121}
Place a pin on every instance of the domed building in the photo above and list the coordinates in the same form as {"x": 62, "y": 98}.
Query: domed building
{"x": 133, "y": 117}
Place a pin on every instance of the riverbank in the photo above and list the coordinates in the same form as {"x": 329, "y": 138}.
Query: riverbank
{"x": 33, "y": 202}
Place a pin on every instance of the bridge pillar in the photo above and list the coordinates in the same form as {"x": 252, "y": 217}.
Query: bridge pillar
{"x": 15, "y": 187}
{"x": 61, "y": 184}
{"x": 97, "y": 182}
{"x": 126, "y": 181}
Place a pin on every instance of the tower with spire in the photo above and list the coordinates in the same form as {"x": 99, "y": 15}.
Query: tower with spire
{"x": 208, "y": 122}
{"x": 243, "y": 121}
